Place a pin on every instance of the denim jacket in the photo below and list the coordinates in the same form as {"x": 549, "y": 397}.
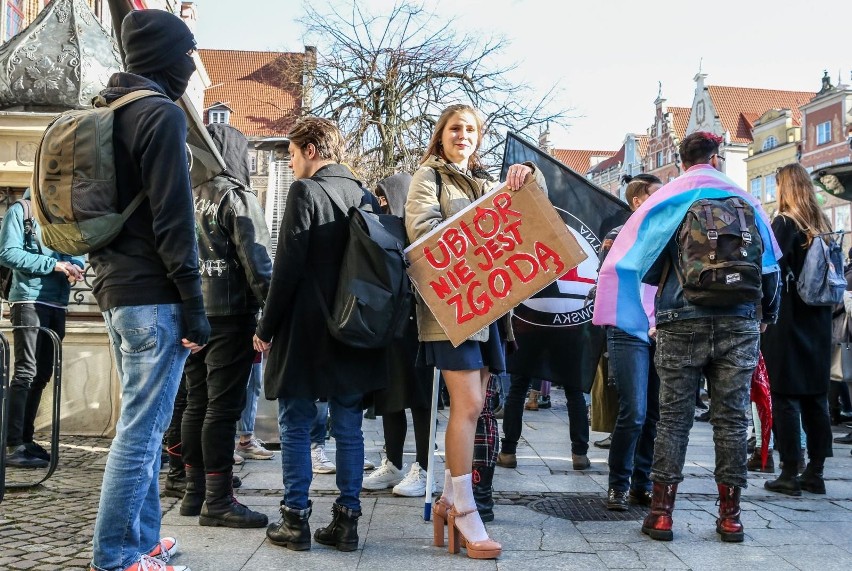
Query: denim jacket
{"x": 672, "y": 306}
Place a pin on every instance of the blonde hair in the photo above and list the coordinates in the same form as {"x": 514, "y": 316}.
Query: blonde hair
{"x": 435, "y": 147}
{"x": 797, "y": 200}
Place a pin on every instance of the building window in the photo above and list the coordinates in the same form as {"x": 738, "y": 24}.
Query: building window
{"x": 757, "y": 188}
{"x": 218, "y": 116}
{"x": 769, "y": 183}
{"x": 659, "y": 159}
{"x": 14, "y": 17}
{"x": 824, "y": 133}
{"x": 253, "y": 163}
{"x": 770, "y": 143}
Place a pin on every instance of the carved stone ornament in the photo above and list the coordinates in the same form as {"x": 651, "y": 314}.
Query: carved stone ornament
{"x": 60, "y": 61}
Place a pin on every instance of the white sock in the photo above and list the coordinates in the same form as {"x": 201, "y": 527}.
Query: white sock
{"x": 447, "y": 494}
{"x": 471, "y": 525}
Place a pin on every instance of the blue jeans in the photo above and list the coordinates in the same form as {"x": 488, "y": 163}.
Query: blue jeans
{"x": 725, "y": 350}
{"x": 632, "y": 449}
{"x": 296, "y": 418}
{"x": 318, "y": 430}
{"x": 245, "y": 426}
{"x": 149, "y": 360}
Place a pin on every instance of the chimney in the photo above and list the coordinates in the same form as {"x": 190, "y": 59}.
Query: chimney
{"x": 308, "y": 70}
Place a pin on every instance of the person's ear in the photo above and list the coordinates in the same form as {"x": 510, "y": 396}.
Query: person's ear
{"x": 310, "y": 151}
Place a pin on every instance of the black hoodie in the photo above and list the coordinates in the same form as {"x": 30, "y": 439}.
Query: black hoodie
{"x": 154, "y": 260}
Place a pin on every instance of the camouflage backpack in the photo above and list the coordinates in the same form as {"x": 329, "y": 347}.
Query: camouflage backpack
{"x": 719, "y": 253}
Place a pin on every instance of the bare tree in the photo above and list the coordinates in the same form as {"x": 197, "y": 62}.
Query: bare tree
{"x": 386, "y": 78}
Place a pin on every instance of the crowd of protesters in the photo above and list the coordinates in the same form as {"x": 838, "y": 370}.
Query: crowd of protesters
{"x": 194, "y": 306}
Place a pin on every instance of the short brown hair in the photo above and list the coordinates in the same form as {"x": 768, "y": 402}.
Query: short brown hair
{"x": 322, "y": 134}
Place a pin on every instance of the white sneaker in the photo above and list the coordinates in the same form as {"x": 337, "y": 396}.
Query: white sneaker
{"x": 320, "y": 462}
{"x": 414, "y": 483}
{"x": 254, "y": 450}
{"x": 386, "y": 476}
{"x": 238, "y": 459}
{"x": 368, "y": 465}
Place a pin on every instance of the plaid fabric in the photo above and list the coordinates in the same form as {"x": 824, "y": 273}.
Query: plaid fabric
{"x": 486, "y": 444}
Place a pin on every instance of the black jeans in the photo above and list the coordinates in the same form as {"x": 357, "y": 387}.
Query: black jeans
{"x": 33, "y": 366}
{"x": 173, "y": 437}
{"x": 216, "y": 393}
{"x": 813, "y": 409}
{"x": 513, "y": 413}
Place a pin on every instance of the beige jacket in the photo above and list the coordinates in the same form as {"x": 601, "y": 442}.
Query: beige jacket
{"x": 423, "y": 213}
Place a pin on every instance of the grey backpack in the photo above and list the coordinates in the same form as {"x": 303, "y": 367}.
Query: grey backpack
{"x": 821, "y": 281}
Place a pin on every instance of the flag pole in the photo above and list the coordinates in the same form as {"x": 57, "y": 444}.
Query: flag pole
{"x": 430, "y": 472}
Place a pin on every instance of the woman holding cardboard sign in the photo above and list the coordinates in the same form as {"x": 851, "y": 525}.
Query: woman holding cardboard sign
{"x": 449, "y": 179}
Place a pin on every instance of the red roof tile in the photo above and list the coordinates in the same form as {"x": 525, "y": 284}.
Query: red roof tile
{"x": 579, "y": 160}
{"x": 614, "y": 161}
{"x": 262, "y": 89}
{"x": 642, "y": 146}
{"x": 680, "y": 120}
{"x": 735, "y": 105}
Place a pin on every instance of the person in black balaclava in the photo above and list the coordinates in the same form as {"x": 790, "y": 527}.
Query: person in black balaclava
{"x": 158, "y": 48}
{"x": 147, "y": 285}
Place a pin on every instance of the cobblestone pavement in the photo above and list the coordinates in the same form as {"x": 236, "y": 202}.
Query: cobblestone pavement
{"x": 49, "y": 528}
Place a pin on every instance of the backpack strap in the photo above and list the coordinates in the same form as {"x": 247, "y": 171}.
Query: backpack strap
{"x": 29, "y": 232}
{"x": 439, "y": 184}
{"x": 338, "y": 202}
{"x": 743, "y": 225}
{"x": 335, "y": 199}
{"x": 99, "y": 101}
{"x": 712, "y": 233}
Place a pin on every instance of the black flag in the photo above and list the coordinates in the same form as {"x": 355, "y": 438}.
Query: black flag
{"x": 554, "y": 331}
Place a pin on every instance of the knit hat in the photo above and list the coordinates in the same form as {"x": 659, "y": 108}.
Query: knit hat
{"x": 153, "y": 40}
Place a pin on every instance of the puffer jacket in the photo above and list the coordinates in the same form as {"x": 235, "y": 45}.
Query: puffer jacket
{"x": 423, "y": 213}
{"x": 233, "y": 248}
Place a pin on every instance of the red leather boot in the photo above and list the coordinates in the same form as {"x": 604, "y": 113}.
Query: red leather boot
{"x": 658, "y": 523}
{"x": 728, "y": 524}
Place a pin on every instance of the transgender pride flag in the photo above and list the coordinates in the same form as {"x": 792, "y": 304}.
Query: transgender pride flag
{"x": 646, "y": 234}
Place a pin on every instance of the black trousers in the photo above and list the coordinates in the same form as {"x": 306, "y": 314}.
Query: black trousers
{"x": 813, "y": 409}
{"x": 172, "y": 436}
{"x": 33, "y": 366}
{"x": 513, "y": 414}
{"x": 216, "y": 380}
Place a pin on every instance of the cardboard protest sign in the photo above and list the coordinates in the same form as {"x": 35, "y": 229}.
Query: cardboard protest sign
{"x": 491, "y": 256}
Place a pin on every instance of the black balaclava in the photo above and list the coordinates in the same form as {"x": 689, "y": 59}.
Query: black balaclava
{"x": 233, "y": 146}
{"x": 155, "y": 46}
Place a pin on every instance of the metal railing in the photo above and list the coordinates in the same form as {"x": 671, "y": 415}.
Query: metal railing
{"x": 5, "y": 386}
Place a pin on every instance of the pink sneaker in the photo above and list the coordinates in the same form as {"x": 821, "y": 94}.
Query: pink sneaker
{"x": 164, "y": 550}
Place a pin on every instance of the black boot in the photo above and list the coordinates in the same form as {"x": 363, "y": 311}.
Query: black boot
{"x": 221, "y": 508}
{"x": 176, "y": 478}
{"x": 787, "y": 483}
{"x": 194, "y": 488}
{"x": 342, "y": 532}
{"x": 483, "y": 477}
{"x": 811, "y": 479}
{"x": 292, "y": 531}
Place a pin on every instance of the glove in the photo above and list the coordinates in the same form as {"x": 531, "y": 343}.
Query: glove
{"x": 195, "y": 321}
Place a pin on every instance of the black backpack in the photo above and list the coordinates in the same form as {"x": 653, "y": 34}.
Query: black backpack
{"x": 6, "y": 272}
{"x": 720, "y": 253}
{"x": 373, "y": 298}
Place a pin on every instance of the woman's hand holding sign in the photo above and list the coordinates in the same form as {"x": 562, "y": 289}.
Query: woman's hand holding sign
{"x": 517, "y": 175}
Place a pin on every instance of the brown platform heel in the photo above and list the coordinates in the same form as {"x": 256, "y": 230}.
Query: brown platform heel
{"x": 487, "y": 549}
{"x": 439, "y": 521}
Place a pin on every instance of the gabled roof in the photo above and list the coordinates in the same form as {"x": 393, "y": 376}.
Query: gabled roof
{"x": 579, "y": 161}
{"x": 680, "y": 120}
{"x": 262, "y": 89}
{"x": 614, "y": 161}
{"x": 736, "y": 105}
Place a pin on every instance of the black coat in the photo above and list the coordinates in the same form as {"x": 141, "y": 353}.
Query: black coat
{"x": 305, "y": 361}
{"x": 797, "y": 349}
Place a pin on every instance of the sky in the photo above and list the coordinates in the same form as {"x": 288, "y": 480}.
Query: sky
{"x": 606, "y": 57}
